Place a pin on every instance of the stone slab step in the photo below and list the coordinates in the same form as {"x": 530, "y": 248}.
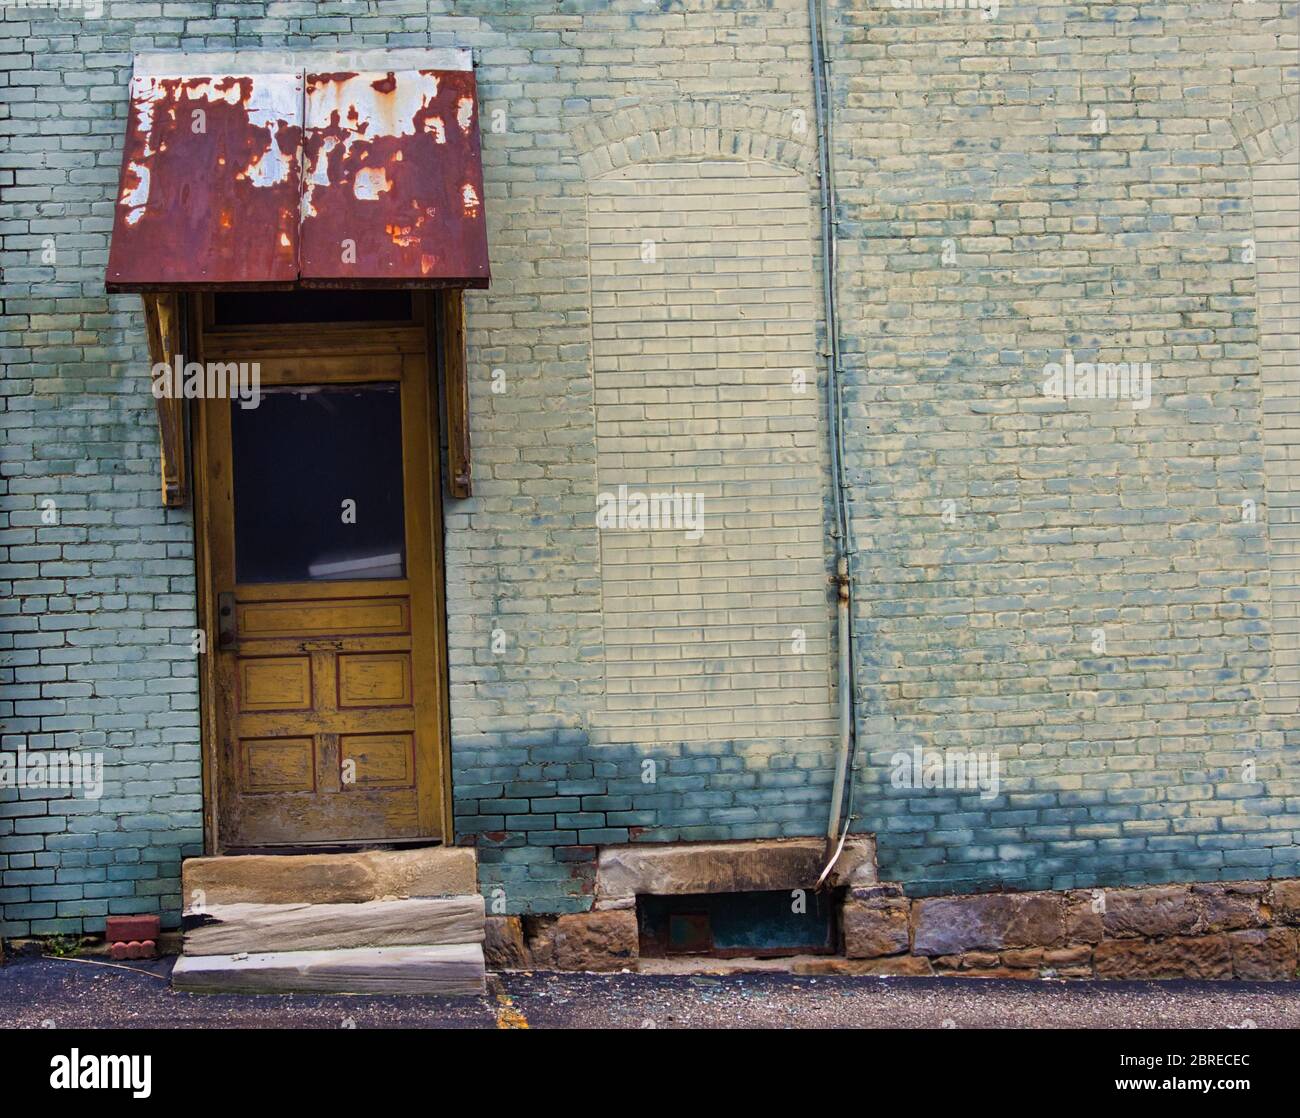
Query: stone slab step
{"x": 455, "y": 968}
{"x": 229, "y": 929}
{"x": 350, "y": 878}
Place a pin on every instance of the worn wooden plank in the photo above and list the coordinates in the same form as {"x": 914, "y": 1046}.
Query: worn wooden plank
{"x": 442, "y": 969}
{"x": 233, "y": 928}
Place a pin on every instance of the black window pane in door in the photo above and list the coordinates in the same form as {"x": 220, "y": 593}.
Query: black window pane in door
{"x": 318, "y": 484}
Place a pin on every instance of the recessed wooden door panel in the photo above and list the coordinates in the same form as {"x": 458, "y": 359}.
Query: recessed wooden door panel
{"x": 274, "y": 683}
{"x": 328, "y": 696}
{"x": 323, "y": 617}
{"x": 276, "y": 765}
{"x": 374, "y": 679}
{"x": 377, "y": 760}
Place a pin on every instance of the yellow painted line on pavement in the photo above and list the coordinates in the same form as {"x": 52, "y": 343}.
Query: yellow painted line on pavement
{"x": 508, "y": 1017}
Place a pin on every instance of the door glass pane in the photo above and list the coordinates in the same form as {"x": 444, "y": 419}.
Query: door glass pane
{"x": 318, "y": 484}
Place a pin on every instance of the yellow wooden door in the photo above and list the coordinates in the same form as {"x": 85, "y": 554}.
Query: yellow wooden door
{"x": 325, "y": 580}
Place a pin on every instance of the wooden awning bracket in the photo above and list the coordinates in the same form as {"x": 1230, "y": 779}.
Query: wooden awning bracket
{"x": 455, "y": 388}
{"x": 162, "y": 316}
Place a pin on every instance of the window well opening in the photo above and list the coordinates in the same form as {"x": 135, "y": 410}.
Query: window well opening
{"x": 727, "y": 925}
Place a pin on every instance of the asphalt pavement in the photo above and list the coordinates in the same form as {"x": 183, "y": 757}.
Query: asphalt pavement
{"x": 44, "y": 992}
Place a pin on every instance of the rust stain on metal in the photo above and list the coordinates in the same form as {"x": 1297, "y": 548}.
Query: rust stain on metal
{"x": 327, "y": 179}
{"x": 392, "y": 180}
{"x": 210, "y": 182}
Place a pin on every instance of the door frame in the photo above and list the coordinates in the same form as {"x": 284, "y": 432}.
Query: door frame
{"x": 420, "y": 337}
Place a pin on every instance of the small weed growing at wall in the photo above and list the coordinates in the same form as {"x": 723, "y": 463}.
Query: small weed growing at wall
{"x": 63, "y": 947}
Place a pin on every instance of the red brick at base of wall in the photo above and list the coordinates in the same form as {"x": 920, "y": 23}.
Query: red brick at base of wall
{"x": 1213, "y": 930}
{"x": 1217, "y": 930}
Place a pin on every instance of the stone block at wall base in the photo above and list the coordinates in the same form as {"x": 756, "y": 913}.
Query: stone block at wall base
{"x": 1218, "y": 930}
{"x": 1265, "y": 954}
{"x": 874, "y": 927}
{"x": 590, "y": 941}
{"x": 1176, "y": 957}
{"x": 954, "y": 925}
{"x": 504, "y": 946}
{"x": 1202, "y": 930}
{"x": 1285, "y": 902}
{"x": 896, "y": 966}
{"x": 1230, "y": 907}
{"x": 1167, "y": 911}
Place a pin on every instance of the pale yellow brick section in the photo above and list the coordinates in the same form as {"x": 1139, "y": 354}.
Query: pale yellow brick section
{"x": 694, "y": 355}
{"x": 1276, "y": 188}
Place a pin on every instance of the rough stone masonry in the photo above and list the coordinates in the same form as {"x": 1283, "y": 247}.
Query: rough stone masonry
{"x": 1102, "y": 598}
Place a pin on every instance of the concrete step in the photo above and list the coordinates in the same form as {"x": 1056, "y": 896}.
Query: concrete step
{"x": 229, "y": 929}
{"x": 439, "y": 969}
{"x": 351, "y": 878}
{"x": 368, "y": 922}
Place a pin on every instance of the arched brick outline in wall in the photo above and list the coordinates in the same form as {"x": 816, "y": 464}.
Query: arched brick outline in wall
{"x": 694, "y": 130}
{"x": 702, "y": 230}
{"x": 1270, "y": 137}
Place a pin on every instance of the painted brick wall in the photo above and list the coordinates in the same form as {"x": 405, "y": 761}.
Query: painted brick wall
{"x": 1104, "y": 236}
{"x": 1068, "y": 584}
{"x": 703, "y": 326}
{"x": 543, "y": 773}
{"x": 97, "y": 579}
{"x": 1275, "y": 196}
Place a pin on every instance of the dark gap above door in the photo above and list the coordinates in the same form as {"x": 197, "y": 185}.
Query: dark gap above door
{"x": 333, "y": 305}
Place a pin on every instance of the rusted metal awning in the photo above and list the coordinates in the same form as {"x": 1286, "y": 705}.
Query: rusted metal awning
{"x": 283, "y": 169}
